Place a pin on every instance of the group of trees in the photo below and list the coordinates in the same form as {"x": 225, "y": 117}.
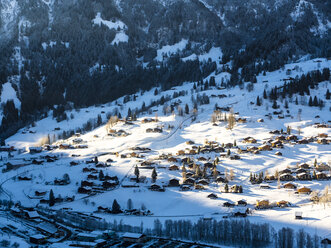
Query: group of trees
{"x": 232, "y": 232}
{"x": 300, "y": 85}
{"x": 56, "y": 74}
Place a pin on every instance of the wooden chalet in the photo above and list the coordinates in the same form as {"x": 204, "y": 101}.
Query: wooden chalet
{"x": 278, "y": 153}
{"x": 34, "y": 150}
{"x": 286, "y": 177}
{"x": 86, "y": 184}
{"x": 173, "y": 167}
{"x": 40, "y": 193}
{"x": 228, "y": 204}
{"x": 304, "y": 166}
{"x": 300, "y": 170}
{"x": 283, "y": 204}
{"x": 172, "y": 160}
{"x": 285, "y": 171}
{"x": 185, "y": 188}
{"x": 322, "y": 167}
{"x": 189, "y": 181}
{"x": 84, "y": 190}
{"x": 249, "y": 140}
{"x": 155, "y": 187}
{"x": 208, "y": 165}
{"x": 203, "y": 182}
{"x": 221, "y": 180}
{"x": 269, "y": 178}
{"x": 212, "y": 196}
{"x": 264, "y": 186}
{"x": 265, "y": 147}
{"x": 304, "y": 190}
{"x": 304, "y": 176}
{"x": 321, "y": 176}
{"x": 289, "y": 186}
{"x": 173, "y": 182}
{"x": 241, "y": 203}
{"x": 262, "y": 204}
{"x": 202, "y": 159}
{"x": 199, "y": 187}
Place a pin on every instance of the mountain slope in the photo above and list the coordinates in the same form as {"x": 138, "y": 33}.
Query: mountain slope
{"x": 55, "y": 54}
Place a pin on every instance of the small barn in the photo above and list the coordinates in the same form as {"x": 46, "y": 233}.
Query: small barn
{"x": 133, "y": 237}
{"x": 38, "y": 239}
{"x": 298, "y": 215}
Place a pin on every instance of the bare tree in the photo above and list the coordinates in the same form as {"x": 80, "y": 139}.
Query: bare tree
{"x": 213, "y": 118}
{"x": 231, "y": 120}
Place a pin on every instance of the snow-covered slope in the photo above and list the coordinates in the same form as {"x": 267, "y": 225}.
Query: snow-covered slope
{"x": 192, "y": 204}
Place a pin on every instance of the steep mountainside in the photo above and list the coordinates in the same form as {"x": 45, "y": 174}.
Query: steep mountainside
{"x": 79, "y": 53}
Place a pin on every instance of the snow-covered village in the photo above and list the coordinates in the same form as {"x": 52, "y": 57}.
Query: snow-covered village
{"x": 221, "y": 151}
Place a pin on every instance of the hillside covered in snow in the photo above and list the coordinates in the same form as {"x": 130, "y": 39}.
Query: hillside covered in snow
{"x": 81, "y": 53}
{"x": 204, "y": 151}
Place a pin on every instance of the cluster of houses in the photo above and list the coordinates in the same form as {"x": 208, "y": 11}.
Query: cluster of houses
{"x": 118, "y": 133}
{"x": 136, "y": 212}
{"x": 96, "y": 181}
{"x": 62, "y": 146}
{"x": 265, "y": 204}
{"x": 42, "y": 226}
{"x": 302, "y": 172}
{"x": 280, "y": 140}
{"x": 197, "y": 171}
{"x": 154, "y": 130}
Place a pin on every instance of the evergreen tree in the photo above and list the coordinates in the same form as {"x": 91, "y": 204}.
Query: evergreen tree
{"x": 187, "y": 110}
{"x": 129, "y": 113}
{"x": 315, "y": 102}
{"x": 328, "y": 95}
{"x": 116, "y": 208}
{"x": 258, "y": 102}
{"x": 51, "y": 200}
{"x": 274, "y": 105}
{"x": 129, "y": 204}
{"x": 264, "y": 94}
{"x": 226, "y": 188}
{"x": 101, "y": 175}
{"x": 136, "y": 173}
{"x": 310, "y": 102}
{"x": 154, "y": 175}
{"x": 286, "y": 104}
{"x": 99, "y": 121}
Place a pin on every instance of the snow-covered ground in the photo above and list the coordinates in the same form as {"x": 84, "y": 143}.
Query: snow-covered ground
{"x": 168, "y": 50}
{"x": 193, "y": 204}
{"x": 117, "y": 25}
{"x": 8, "y": 93}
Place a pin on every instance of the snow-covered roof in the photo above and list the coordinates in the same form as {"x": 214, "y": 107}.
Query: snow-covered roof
{"x": 93, "y": 235}
{"x": 38, "y": 236}
{"x": 32, "y": 214}
{"x": 132, "y": 235}
{"x": 47, "y": 227}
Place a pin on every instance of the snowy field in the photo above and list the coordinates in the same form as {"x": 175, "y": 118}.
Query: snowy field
{"x": 174, "y": 203}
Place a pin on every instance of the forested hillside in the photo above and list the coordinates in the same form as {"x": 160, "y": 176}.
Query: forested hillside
{"x": 80, "y": 53}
